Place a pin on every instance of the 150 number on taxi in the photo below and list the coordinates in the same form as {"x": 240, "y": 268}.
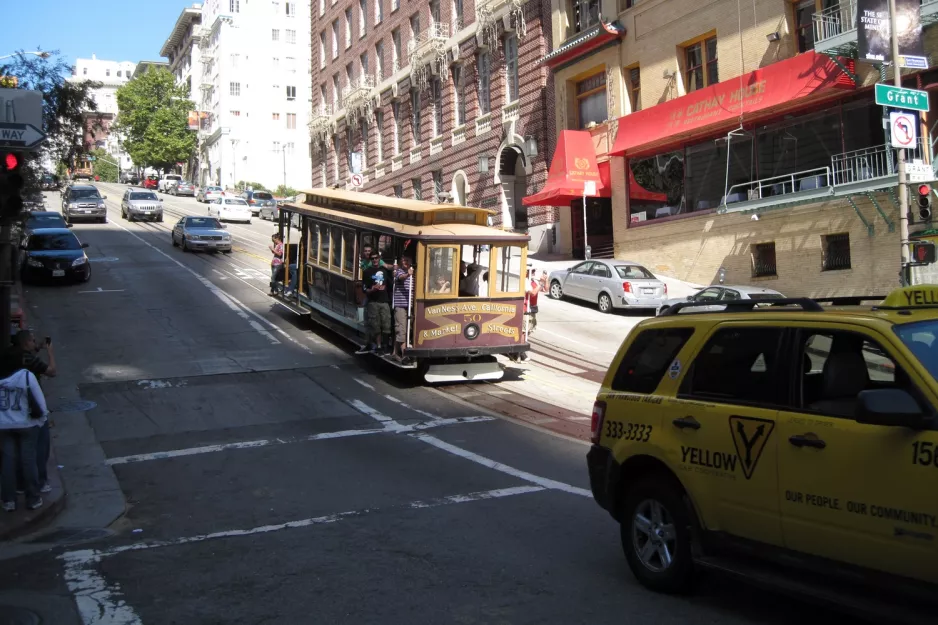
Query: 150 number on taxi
{"x": 925, "y": 453}
{"x": 638, "y": 432}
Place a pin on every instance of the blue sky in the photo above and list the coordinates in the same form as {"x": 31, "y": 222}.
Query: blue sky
{"x": 113, "y": 30}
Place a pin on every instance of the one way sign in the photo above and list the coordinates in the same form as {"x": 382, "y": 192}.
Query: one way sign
{"x": 23, "y": 136}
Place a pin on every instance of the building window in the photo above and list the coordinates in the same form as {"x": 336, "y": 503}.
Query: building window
{"x": 118, "y": 73}
{"x": 335, "y": 39}
{"x": 276, "y": 147}
{"x": 290, "y": 36}
{"x": 437, "y": 186}
{"x": 379, "y": 60}
{"x": 364, "y": 131}
{"x": 275, "y": 34}
{"x": 835, "y": 252}
{"x": 107, "y": 72}
{"x": 322, "y": 98}
{"x": 436, "y": 103}
{"x": 335, "y": 92}
{"x": 363, "y": 59}
{"x": 418, "y": 188}
{"x": 322, "y": 11}
{"x": 395, "y": 49}
{"x": 591, "y": 100}
{"x": 700, "y": 64}
{"x": 234, "y": 6}
{"x": 435, "y": 12}
{"x": 348, "y": 28}
{"x": 362, "y": 12}
{"x": 484, "y": 83}
{"x": 585, "y": 14}
{"x": 511, "y": 68}
{"x": 415, "y": 116}
{"x": 415, "y": 25}
{"x": 235, "y": 113}
{"x": 398, "y": 190}
{"x": 291, "y": 93}
{"x": 457, "y": 16}
{"x": 804, "y": 24}
{"x": 289, "y": 148}
{"x": 276, "y": 6}
{"x": 291, "y": 65}
{"x": 379, "y": 11}
{"x": 291, "y": 9}
{"x": 234, "y": 88}
{"x": 349, "y": 74}
{"x": 275, "y": 117}
{"x": 276, "y": 62}
{"x": 322, "y": 50}
{"x": 459, "y": 98}
{"x": 635, "y": 88}
{"x": 396, "y": 111}
{"x": 291, "y": 121}
{"x": 763, "y": 260}
{"x": 350, "y": 160}
{"x": 379, "y": 136}
{"x": 84, "y": 71}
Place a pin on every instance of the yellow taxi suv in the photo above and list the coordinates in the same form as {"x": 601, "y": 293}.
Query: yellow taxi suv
{"x": 783, "y": 441}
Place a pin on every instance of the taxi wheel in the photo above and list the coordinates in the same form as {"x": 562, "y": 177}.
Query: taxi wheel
{"x": 656, "y": 537}
{"x": 605, "y": 303}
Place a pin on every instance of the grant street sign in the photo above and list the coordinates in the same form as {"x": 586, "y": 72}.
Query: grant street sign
{"x": 896, "y": 97}
{"x": 23, "y": 136}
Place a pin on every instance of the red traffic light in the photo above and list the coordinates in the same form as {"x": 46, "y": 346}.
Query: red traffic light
{"x": 924, "y": 189}
{"x": 11, "y": 161}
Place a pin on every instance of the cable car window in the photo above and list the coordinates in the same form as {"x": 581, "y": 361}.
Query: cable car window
{"x": 508, "y": 269}
{"x": 440, "y": 265}
{"x": 336, "y": 258}
{"x": 313, "y": 243}
{"x": 348, "y": 255}
{"x": 324, "y": 246}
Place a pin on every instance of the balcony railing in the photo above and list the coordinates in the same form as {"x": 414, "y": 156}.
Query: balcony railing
{"x": 488, "y": 11}
{"x": 483, "y": 124}
{"x": 321, "y": 122}
{"x": 808, "y": 180}
{"x": 836, "y": 20}
{"x": 436, "y": 145}
{"x": 511, "y": 111}
{"x": 869, "y": 164}
{"x": 357, "y": 97}
{"x": 428, "y": 43}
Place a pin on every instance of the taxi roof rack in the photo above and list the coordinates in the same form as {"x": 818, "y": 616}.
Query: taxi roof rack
{"x": 743, "y": 305}
{"x": 849, "y": 300}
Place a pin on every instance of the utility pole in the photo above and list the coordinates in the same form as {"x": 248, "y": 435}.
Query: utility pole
{"x": 900, "y": 156}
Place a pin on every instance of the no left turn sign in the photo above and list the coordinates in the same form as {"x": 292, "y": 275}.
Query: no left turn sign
{"x": 902, "y": 127}
{"x": 356, "y": 180}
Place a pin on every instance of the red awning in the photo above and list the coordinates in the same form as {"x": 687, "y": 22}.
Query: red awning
{"x": 638, "y": 193}
{"x": 774, "y": 88}
{"x": 574, "y": 164}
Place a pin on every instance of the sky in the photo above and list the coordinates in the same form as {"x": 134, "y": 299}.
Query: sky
{"x": 114, "y": 30}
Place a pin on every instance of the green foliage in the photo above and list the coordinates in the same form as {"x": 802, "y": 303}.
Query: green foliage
{"x": 242, "y": 185}
{"x": 284, "y": 191}
{"x": 153, "y": 115}
{"x": 64, "y": 103}
{"x": 104, "y": 165}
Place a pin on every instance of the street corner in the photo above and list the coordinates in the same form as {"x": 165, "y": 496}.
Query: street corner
{"x": 23, "y": 522}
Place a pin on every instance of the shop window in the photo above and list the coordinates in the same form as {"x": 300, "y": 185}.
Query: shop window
{"x": 709, "y": 174}
{"x": 700, "y": 64}
{"x": 635, "y": 88}
{"x": 802, "y": 146}
{"x": 865, "y": 121}
{"x": 659, "y": 186}
{"x": 763, "y": 260}
{"x": 835, "y": 252}
{"x": 804, "y": 24}
{"x": 591, "y": 100}
{"x": 508, "y": 269}
{"x": 441, "y": 269}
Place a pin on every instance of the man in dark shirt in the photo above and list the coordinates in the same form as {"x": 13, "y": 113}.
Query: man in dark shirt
{"x": 28, "y": 353}
{"x": 376, "y": 282}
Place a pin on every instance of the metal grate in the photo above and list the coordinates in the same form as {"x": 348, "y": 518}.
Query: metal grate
{"x": 836, "y": 252}
{"x": 763, "y": 260}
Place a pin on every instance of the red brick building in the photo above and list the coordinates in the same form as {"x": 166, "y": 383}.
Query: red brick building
{"x": 443, "y": 100}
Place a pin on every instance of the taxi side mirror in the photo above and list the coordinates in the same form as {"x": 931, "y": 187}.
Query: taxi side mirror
{"x": 890, "y": 406}
{"x": 690, "y": 298}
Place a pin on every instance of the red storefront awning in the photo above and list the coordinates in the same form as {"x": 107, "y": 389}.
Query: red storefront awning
{"x": 574, "y": 165}
{"x": 788, "y": 84}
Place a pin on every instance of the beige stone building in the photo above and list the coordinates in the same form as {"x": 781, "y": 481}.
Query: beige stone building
{"x": 733, "y": 135}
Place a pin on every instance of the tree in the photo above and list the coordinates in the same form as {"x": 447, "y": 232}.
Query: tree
{"x": 153, "y": 114}
{"x": 283, "y": 191}
{"x": 242, "y": 185}
{"x": 64, "y": 103}
{"x": 104, "y": 165}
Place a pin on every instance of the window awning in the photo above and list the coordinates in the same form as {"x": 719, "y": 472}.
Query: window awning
{"x": 781, "y": 86}
{"x": 574, "y": 165}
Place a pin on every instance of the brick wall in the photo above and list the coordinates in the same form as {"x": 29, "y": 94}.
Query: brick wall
{"x": 536, "y": 105}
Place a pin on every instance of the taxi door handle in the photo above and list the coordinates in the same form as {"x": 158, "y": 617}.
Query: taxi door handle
{"x": 687, "y": 422}
{"x": 800, "y": 440}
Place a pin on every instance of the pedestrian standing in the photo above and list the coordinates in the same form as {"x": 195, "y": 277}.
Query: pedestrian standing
{"x": 22, "y": 413}
{"x": 403, "y": 292}
{"x": 531, "y": 290}
{"x": 376, "y": 282}
{"x": 27, "y": 352}
{"x": 276, "y": 263}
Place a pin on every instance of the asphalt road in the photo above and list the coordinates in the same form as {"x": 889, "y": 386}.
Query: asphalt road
{"x": 271, "y": 477}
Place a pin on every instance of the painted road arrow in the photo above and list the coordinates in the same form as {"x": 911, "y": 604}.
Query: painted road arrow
{"x": 23, "y": 136}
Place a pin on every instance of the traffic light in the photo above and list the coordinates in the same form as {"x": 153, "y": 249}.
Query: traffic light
{"x": 923, "y": 252}
{"x": 11, "y": 183}
{"x": 924, "y": 202}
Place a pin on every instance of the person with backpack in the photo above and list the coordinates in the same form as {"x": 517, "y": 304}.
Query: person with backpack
{"x": 23, "y": 412}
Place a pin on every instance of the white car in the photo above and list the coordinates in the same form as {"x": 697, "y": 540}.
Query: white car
{"x": 230, "y": 209}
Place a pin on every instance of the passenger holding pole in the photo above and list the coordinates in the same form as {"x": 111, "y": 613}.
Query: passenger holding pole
{"x": 403, "y": 296}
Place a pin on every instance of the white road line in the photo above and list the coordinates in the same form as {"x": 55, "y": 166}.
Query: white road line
{"x": 99, "y": 602}
{"x": 265, "y": 442}
{"x": 365, "y": 384}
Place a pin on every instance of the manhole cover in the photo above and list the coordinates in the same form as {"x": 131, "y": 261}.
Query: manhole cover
{"x": 71, "y": 536}
{"x": 15, "y": 615}
{"x": 77, "y": 405}
{"x": 103, "y": 259}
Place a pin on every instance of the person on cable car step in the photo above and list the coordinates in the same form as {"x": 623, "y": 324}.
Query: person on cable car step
{"x": 401, "y": 300}
{"x": 376, "y": 282}
{"x": 276, "y": 263}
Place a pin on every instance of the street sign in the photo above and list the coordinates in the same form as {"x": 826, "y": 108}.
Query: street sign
{"x": 23, "y": 136}
{"x": 589, "y": 188}
{"x": 918, "y": 171}
{"x": 21, "y": 106}
{"x": 896, "y": 97}
{"x": 913, "y": 62}
{"x": 902, "y": 128}
{"x": 356, "y": 180}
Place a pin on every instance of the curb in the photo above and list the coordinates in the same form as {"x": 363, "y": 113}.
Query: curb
{"x": 31, "y": 521}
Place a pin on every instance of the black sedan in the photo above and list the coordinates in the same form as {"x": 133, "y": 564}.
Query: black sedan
{"x": 44, "y": 219}
{"x": 54, "y": 254}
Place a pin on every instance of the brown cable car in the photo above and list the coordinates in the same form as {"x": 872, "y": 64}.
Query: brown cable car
{"x": 456, "y": 323}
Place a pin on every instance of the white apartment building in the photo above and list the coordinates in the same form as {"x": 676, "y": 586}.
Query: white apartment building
{"x": 255, "y": 88}
{"x": 111, "y": 75}
{"x": 184, "y": 53}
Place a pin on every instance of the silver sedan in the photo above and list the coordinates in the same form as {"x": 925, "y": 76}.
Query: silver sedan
{"x": 609, "y": 284}
{"x": 209, "y": 194}
{"x": 201, "y": 233}
{"x": 722, "y": 293}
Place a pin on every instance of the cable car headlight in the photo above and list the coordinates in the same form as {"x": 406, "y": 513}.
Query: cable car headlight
{"x": 471, "y": 332}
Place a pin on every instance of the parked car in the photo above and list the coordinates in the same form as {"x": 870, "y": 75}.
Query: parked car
{"x": 44, "y": 219}
{"x": 56, "y": 254}
{"x": 183, "y": 188}
{"x": 151, "y": 182}
{"x": 141, "y": 204}
{"x": 722, "y": 293}
{"x": 209, "y": 194}
{"x": 167, "y": 182}
{"x": 49, "y": 182}
{"x": 83, "y": 201}
{"x": 201, "y": 233}
{"x": 34, "y": 201}
{"x": 609, "y": 284}
{"x": 257, "y": 199}
{"x": 230, "y": 209}
{"x": 269, "y": 211}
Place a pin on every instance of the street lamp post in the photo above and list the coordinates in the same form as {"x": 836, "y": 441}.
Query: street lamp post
{"x": 42, "y": 54}
{"x": 900, "y": 157}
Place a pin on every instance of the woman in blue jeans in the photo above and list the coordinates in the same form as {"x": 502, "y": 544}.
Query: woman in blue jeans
{"x": 23, "y": 412}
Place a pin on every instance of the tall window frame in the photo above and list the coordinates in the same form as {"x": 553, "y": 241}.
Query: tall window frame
{"x": 512, "y": 84}
{"x": 484, "y": 84}
{"x": 701, "y": 63}
{"x": 415, "y": 117}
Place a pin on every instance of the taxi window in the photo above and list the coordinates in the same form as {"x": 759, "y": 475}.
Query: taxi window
{"x": 922, "y": 338}
{"x": 737, "y": 365}
{"x": 648, "y": 358}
